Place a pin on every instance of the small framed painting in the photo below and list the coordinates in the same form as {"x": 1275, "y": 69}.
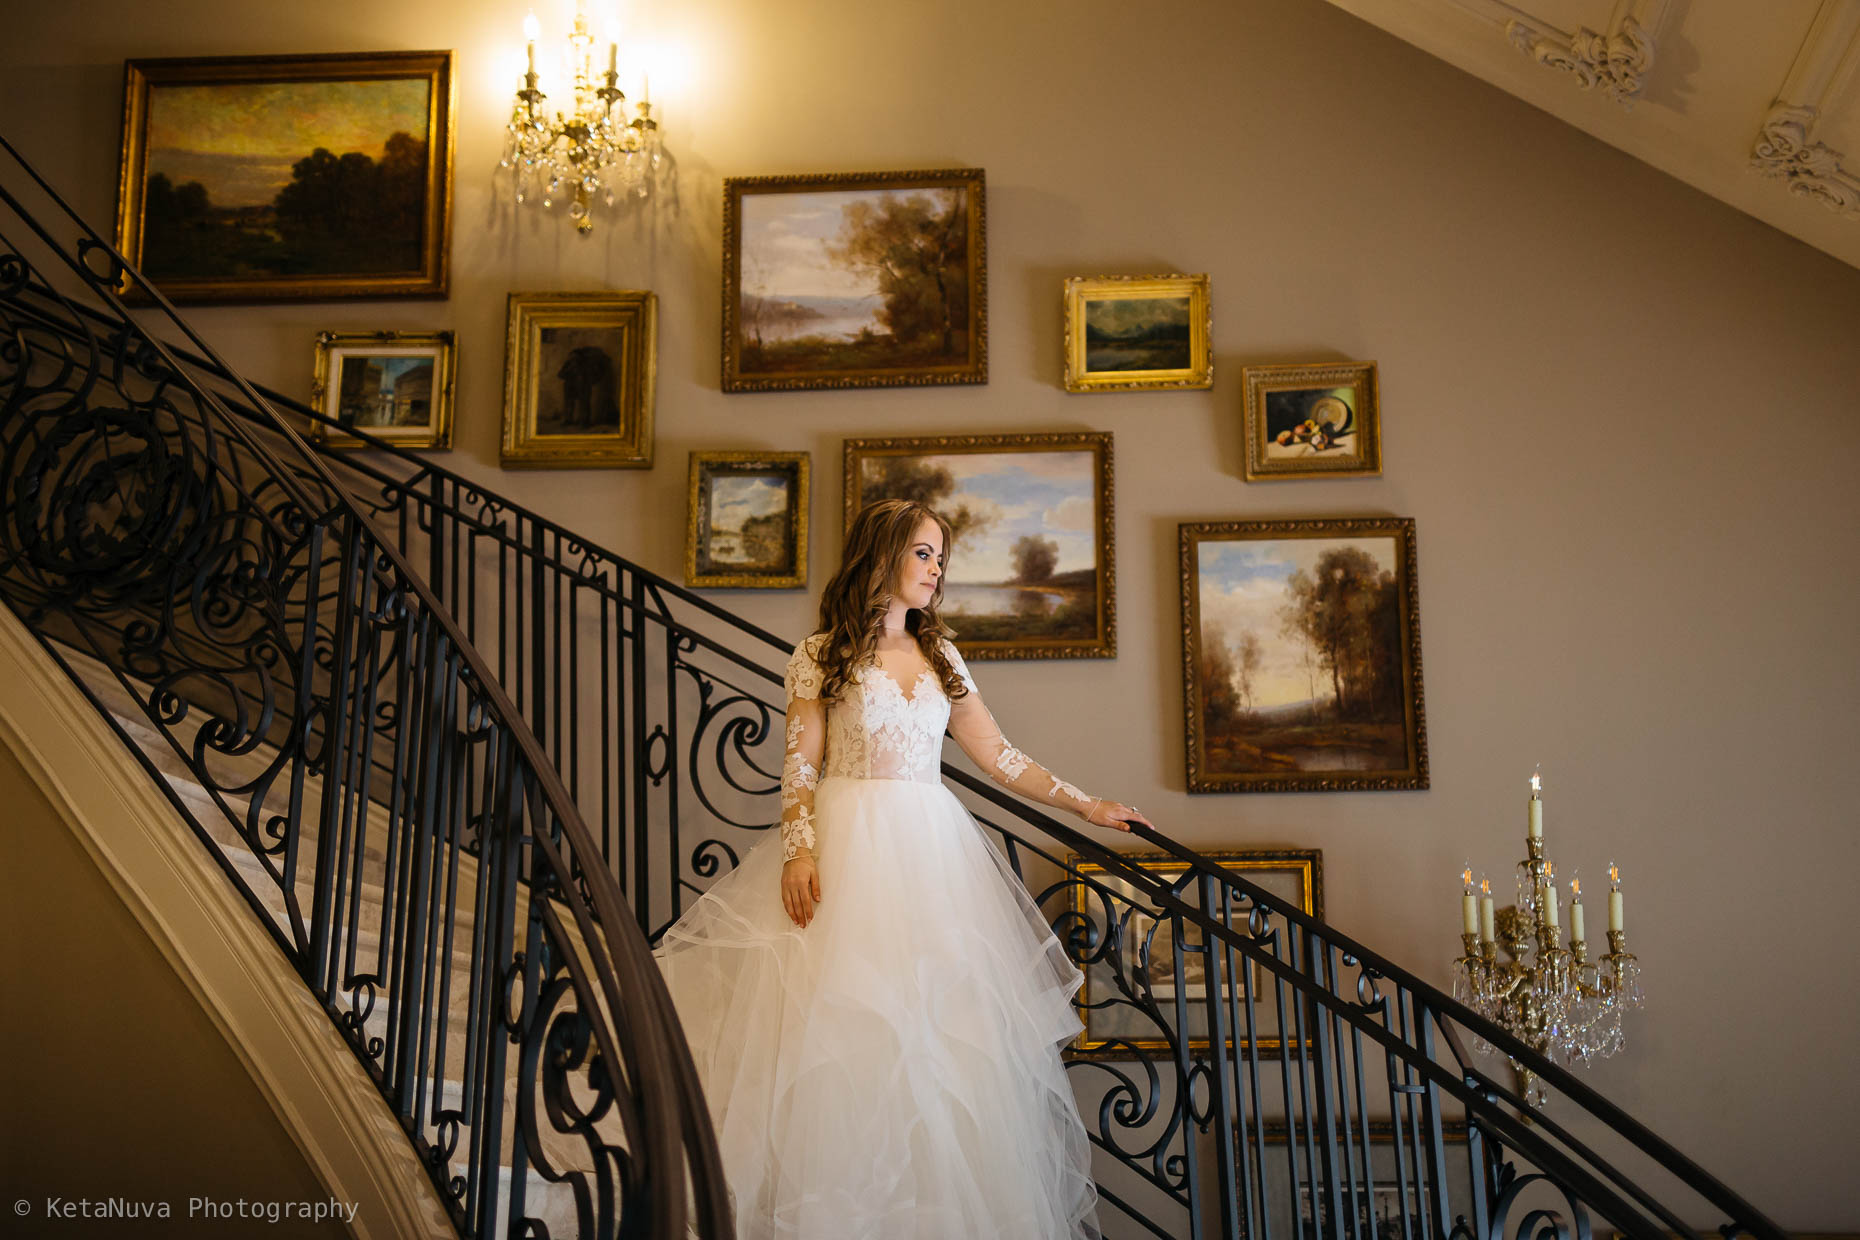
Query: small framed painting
{"x": 1127, "y": 1003}
{"x": 748, "y": 520}
{"x": 396, "y": 386}
{"x": 1321, "y": 421}
{"x": 848, "y": 280}
{"x": 270, "y": 178}
{"x": 1301, "y": 655}
{"x": 1031, "y": 569}
{"x": 1125, "y": 333}
{"x": 579, "y": 372}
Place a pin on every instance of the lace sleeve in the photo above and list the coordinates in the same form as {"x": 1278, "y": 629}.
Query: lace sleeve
{"x": 801, "y": 757}
{"x": 976, "y": 731}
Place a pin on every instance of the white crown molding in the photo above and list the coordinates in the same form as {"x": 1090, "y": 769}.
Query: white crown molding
{"x": 1786, "y": 149}
{"x": 158, "y": 867}
{"x": 1617, "y": 59}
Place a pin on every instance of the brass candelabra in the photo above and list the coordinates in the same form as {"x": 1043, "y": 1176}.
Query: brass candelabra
{"x": 589, "y": 151}
{"x": 1550, "y": 996}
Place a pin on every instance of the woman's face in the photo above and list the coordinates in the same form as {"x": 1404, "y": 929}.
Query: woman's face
{"x": 922, "y": 566}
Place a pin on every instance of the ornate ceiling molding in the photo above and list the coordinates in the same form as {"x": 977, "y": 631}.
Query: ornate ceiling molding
{"x": 1786, "y": 149}
{"x": 1617, "y": 61}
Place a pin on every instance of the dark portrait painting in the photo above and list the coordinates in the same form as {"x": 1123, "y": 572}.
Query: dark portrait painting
{"x": 580, "y": 368}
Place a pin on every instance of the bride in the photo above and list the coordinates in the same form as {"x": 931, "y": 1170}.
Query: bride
{"x": 874, "y": 1003}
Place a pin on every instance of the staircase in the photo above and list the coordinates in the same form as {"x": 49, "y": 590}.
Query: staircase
{"x": 291, "y": 640}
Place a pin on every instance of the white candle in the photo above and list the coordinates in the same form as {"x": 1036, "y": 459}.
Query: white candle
{"x": 1575, "y": 922}
{"x": 532, "y": 30}
{"x": 1546, "y": 900}
{"x": 1614, "y": 911}
{"x": 613, "y": 59}
{"x": 1537, "y": 807}
{"x": 1488, "y": 915}
{"x": 1469, "y": 913}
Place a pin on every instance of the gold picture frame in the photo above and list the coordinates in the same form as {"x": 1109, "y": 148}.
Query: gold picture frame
{"x": 1129, "y": 333}
{"x": 396, "y": 386}
{"x": 1059, "y": 599}
{"x": 1312, "y": 421}
{"x": 814, "y": 299}
{"x": 1115, "y": 1028}
{"x": 1325, "y": 608}
{"x": 601, "y": 349}
{"x": 226, "y": 180}
{"x": 747, "y": 520}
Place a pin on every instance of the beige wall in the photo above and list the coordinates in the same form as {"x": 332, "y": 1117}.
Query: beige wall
{"x": 113, "y": 1080}
{"x": 1622, "y": 414}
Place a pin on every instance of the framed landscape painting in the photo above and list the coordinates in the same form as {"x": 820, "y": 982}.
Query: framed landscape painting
{"x": 267, "y": 178}
{"x": 1119, "y": 989}
{"x": 397, "y": 386}
{"x": 1032, "y": 568}
{"x": 1301, "y": 655}
{"x": 851, "y": 280}
{"x": 747, "y": 523}
{"x": 1317, "y": 421}
{"x": 1130, "y": 332}
{"x": 579, "y": 373}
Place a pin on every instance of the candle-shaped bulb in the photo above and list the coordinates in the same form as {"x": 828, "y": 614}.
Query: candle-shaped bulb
{"x": 1536, "y": 807}
{"x": 1537, "y": 781}
{"x": 1485, "y": 886}
{"x": 1575, "y": 889}
{"x": 1469, "y": 903}
{"x": 1614, "y": 877}
{"x": 1466, "y": 877}
{"x": 1614, "y": 898}
{"x": 1550, "y": 868}
{"x": 532, "y": 30}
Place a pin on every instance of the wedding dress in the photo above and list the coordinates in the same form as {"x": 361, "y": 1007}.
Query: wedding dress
{"x": 891, "y": 1071}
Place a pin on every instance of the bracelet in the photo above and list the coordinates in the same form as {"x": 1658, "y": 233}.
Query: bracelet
{"x": 1095, "y": 803}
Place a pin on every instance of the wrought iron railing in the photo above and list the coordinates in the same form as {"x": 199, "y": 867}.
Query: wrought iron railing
{"x": 337, "y": 741}
{"x": 1266, "y": 1075}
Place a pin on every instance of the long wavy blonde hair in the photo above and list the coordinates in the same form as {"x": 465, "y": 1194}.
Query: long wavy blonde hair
{"x": 852, "y": 608}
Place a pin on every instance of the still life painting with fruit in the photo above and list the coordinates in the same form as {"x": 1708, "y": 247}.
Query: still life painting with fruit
{"x": 1310, "y": 422}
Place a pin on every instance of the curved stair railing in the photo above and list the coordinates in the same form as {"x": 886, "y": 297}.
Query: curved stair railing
{"x": 1339, "y": 1087}
{"x": 350, "y": 759}
{"x": 1262, "y": 1074}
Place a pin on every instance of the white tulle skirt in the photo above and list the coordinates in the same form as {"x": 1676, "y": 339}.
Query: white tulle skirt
{"x": 891, "y": 1071}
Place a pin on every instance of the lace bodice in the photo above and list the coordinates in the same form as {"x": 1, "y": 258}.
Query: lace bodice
{"x": 879, "y": 729}
{"x": 875, "y": 731}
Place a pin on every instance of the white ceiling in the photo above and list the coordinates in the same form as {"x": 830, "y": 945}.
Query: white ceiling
{"x": 1755, "y": 102}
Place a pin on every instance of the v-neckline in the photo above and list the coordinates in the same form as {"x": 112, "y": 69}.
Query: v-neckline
{"x": 909, "y": 699}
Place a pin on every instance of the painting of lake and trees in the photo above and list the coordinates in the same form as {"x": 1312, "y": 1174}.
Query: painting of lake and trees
{"x": 1149, "y": 333}
{"x": 1029, "y": 567}
{"x": 860, "y": 285}
{"x": 1300, "y": 650}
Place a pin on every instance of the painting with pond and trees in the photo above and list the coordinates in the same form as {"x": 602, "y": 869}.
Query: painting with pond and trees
{"x": 854, "y": 280}
{"x": 746, "y": 524}
{"x": 1031, "y": 562}
{"x": 1301, "y": 655}
{"x": 1125, "y": 333}
{"x": 258, "y": 178}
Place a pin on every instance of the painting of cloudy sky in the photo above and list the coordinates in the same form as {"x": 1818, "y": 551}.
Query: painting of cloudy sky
{"x": 1026, "y": 558}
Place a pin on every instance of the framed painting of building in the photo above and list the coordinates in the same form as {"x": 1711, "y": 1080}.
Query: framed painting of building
{"x": 848, "y": 280}
{"x": 1032, "y": 566}
{"x": 1128, "y": 1001}
{"x": 1301, "y": 655}
{"x": 747, "y": 522}
{"x": 1126, "y": 333}
{"x": 579, "y": 373}
{"x": 272, "y": 178}
{"x": 396, "y": 386}
{"x": 1320, "y": 421}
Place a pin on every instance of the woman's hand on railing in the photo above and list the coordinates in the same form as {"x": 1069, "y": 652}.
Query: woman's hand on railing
{"x": 800, "y": 889}
{"x": 1115, "y": 814}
